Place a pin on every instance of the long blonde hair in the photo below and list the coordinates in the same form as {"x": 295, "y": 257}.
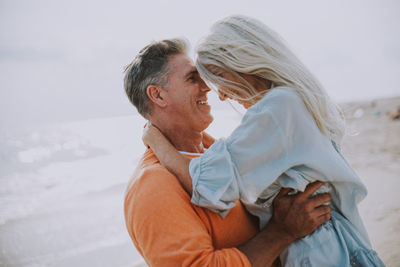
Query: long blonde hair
{"x": 242, "y": 45}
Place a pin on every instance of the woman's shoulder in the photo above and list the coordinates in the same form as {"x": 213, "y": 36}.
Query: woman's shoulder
{"x": 279, "y": 98}
{"x": 282, "y": 93}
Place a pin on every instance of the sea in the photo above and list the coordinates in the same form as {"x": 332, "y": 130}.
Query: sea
{"x": 62, "y": 188}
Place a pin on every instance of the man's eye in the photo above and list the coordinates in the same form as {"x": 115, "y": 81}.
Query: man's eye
{"x": 192, "y": 79}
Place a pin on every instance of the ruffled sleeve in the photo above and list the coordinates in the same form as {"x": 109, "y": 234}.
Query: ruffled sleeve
{"x": 251, "y": 159}
{"x": 215, "y": 179}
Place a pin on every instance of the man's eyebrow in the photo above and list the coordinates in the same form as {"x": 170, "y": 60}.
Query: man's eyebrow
{"x": 190, "y": 73}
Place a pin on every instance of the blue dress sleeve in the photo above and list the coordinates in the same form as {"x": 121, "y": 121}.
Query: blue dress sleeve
{"x": 251, "y": 159}
{"x": 215, "y": 179}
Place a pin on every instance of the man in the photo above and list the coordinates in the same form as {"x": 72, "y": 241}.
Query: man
{"x": 165, "y": 227}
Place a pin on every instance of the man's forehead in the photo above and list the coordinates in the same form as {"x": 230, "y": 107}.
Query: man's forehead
{"x": 181, "y": 64}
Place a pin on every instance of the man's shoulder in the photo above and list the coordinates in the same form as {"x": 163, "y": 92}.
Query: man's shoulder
{"x": 151, "y": 183}
{"x": 151, "y": 196}
{"x": 151, "y": 179}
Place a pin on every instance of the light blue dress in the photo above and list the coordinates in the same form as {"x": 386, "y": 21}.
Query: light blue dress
{"x": 278, "y": 144}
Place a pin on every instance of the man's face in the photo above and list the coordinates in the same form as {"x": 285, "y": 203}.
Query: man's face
{"x": 187, "y": 95}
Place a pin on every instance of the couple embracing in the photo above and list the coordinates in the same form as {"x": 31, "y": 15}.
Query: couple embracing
{"x": 277, "y": 191}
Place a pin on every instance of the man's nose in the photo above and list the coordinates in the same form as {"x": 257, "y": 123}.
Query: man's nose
{"x": 203, "y": 86}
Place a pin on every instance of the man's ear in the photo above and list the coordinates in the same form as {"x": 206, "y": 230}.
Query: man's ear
{"x": 156, "y": 95}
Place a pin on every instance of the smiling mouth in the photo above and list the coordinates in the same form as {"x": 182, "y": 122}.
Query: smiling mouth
{"x": 202, "y": 102}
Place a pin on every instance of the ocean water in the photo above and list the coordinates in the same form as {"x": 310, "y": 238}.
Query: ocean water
{"x": 62, "y": 188}
{"x": 61, "y": 193}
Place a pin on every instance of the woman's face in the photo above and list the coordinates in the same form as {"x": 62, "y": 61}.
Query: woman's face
{"x": 225, "y": 92}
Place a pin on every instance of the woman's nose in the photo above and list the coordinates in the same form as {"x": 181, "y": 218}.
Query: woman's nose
{"x": 222, "y": 96}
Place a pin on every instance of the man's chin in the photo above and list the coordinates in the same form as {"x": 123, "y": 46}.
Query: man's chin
{"x": 208, "y": 122}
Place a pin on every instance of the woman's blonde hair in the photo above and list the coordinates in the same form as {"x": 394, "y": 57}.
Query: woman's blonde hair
{"x": 242, "y": 45}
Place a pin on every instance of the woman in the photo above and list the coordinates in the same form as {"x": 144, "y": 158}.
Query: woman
{"x": 288, "y": 137}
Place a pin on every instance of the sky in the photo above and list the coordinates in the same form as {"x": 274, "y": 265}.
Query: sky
{"x": 64, "y": 60}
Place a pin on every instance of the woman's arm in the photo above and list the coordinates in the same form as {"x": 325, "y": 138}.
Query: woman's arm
{"x": 169, "y": 157}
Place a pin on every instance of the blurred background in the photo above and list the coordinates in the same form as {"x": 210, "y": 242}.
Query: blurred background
{"x": 64, "y": 60}
{"x": 70, "y": 139}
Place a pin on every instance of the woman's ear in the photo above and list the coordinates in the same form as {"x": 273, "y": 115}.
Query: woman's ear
{"x": 156, "y": 95}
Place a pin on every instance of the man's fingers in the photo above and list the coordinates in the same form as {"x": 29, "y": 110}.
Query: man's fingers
{"x": 320, "y": 220}
{"x": 310, "y": 189}
{"x": 284, "y": 191}
{"x": 319, "y": 200}
{"x": 324, "y": 218}
{"x": 322, "y": 210}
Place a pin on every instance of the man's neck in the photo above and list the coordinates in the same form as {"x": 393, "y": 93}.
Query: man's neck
{"x": 183, "y": 139}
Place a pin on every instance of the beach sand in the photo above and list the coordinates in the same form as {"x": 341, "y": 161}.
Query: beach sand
{"x": 372, "y": 147}
{"x": 62, "y": 187}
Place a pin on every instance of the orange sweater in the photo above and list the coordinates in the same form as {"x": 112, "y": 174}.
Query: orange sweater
{"x": 168, "y": 230}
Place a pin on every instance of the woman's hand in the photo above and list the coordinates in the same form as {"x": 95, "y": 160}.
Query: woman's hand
{"x": 150, "y": 135}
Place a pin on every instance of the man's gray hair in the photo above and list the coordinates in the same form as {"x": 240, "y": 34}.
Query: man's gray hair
{"x": 150, "y": 68}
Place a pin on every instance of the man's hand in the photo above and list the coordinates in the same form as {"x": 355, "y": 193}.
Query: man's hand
{"x": 294, "y": 216}
{"x": 299, "y": 215}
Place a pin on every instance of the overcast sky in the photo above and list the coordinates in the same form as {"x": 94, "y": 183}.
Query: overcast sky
{"x": 63, "y": 60}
